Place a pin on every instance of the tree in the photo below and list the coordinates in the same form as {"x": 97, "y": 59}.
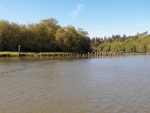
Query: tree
{"x": 62, "y": 39}
{"x": 9, "y": 35}
{"x": 51, "y": 22}
{"x": 47, "y": 35}
{"x": 116, "y": 47}
{"x": 148, "y": 48}
{"x": 105, "y": 47}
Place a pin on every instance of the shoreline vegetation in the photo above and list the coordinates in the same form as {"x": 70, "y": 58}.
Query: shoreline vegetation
{"x": 57, "y": 54}
{"x": 48, "y": 39}
{"x": 139, "y": 43}
{"x": 64, "y": 54}
{"x": 45, "y": 36}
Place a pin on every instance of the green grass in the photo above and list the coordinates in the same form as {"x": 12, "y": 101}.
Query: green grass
{"x": 16, "y": 54}
{"x": 9, "y": 53}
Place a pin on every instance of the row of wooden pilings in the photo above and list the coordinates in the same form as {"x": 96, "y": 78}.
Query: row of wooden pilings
{"x": 72, "y": 55}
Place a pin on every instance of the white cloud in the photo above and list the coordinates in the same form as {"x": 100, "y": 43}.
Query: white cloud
{"x": 77, "y": 10}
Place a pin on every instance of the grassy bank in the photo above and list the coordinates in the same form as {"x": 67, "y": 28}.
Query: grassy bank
{"x": 33, "y": 54}
{"x": 9, "y": 54}
{"x": 57, "y": 54}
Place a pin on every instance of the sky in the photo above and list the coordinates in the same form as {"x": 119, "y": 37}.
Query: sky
{"x": 98, "y": 17}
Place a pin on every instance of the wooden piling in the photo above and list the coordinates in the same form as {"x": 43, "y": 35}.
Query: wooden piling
{"x": 19, "y": 48}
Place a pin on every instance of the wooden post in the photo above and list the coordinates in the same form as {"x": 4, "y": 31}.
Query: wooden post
{"x": 19, "y": 49}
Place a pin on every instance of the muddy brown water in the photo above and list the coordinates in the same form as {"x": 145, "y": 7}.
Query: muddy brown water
{"x": 96, "y": 85}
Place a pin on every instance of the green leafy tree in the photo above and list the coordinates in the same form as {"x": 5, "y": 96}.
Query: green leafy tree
{"x": 105, "y": 47}
{"x": 116, "y": 47}
{"x": 148, "y": 48}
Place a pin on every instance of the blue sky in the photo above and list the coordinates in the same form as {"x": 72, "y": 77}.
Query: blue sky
{"x": 98, "y": 17}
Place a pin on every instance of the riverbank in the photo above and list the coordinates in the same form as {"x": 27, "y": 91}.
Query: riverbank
{"x": 136, "y": 53}
{"x": 33, "y": 54}
{"x": 57, "y": 54}
{"x": 64, "y": 54}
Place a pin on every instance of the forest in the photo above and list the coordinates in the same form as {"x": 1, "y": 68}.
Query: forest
{"x": 45, "y": 36}
{"x": 139, "y": 43}
{"x": 49, "y": 36}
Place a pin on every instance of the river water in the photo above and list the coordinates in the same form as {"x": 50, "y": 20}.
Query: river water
{"x": 96, "y": 85}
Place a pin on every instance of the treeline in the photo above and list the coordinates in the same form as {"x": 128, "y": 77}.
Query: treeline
{"x": 45, "y": 36}
{"x": 49, "y": 36}
{"x": 139, "y": 43}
